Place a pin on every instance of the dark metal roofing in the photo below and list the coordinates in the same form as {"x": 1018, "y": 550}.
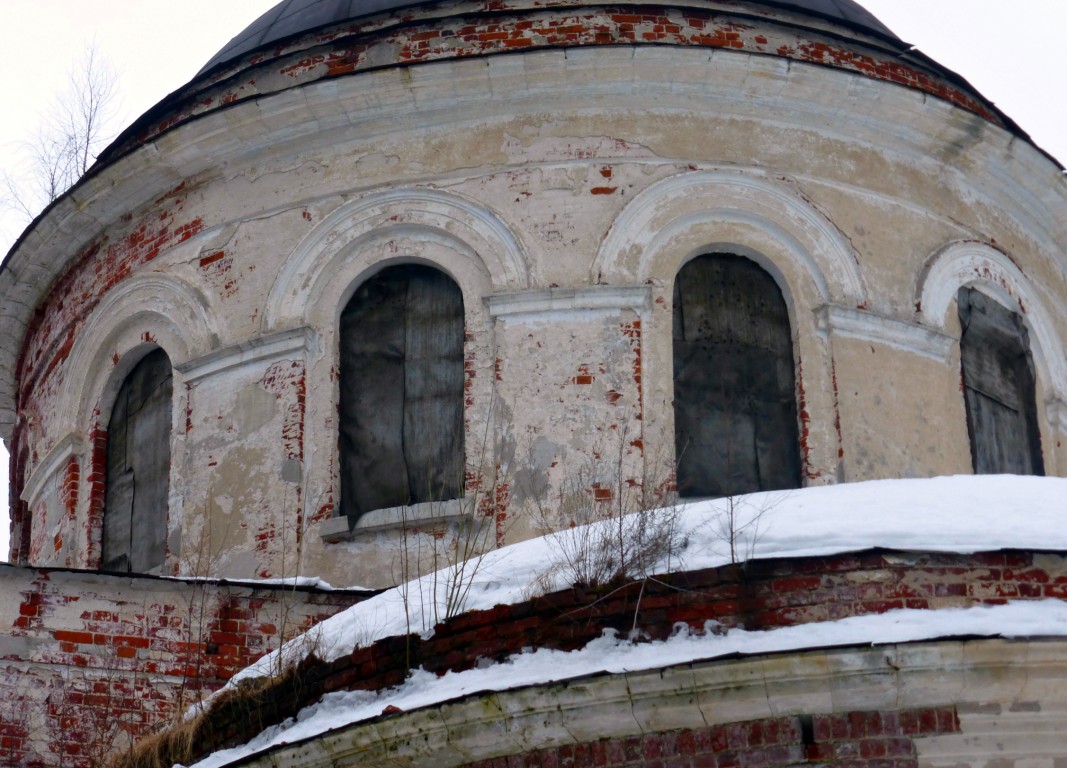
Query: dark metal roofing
{"x": 291, "y": 18}
{"x": 843, "y": 10}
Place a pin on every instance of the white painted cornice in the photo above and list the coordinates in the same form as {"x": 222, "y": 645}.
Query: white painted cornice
{"x": 295, "y": 341}
{"x": 515, "y": 306}
{"x": 70, "y": 446}
{"x": 898, "y": 334}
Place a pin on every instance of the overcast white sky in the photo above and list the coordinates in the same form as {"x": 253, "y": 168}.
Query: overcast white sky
{"x": 1013, "y": 55}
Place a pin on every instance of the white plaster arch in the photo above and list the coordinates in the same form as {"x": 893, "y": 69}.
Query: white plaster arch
{"x": 438, "y": 229}
{"x": 768, "y": 221}
{"x": 689, "y": 213}
{"x": 140, "y": 314}
{"x": 398, "y": 244}
{"x": 340, "y": 248}
{"x": 979, "y": 265}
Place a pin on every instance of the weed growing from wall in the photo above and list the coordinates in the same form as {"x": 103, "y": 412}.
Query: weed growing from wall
{"x": 442, "y": 547}
{"x": 740, "y": 524}
{"x": 447, "y": 543}
{"x": 606, "y": 526}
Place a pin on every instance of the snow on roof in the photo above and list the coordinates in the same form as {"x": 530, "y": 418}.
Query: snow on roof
{"x": 962, "y": 514}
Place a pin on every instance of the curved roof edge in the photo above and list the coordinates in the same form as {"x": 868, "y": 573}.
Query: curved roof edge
{"x": 292, "y": 18}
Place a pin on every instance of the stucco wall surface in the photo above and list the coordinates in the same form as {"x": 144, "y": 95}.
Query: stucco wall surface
{"x": 562, "y": 190}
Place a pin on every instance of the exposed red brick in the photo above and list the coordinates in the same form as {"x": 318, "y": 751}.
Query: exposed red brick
{"x": 109, "y": 661}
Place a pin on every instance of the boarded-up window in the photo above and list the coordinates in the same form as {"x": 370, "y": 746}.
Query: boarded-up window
{"x": 998, "y": 383}
{"x": 138, "y": 469}
{"x": 734, "y": 395}
{"x": 401, "y": 432}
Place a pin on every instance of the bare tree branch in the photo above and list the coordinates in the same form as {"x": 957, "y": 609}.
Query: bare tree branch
{"x": 68, "y": 139}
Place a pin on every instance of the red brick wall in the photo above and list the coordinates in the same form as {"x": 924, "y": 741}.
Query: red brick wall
{"x": 755, "y": 595}
{"x": 90, "y": 661}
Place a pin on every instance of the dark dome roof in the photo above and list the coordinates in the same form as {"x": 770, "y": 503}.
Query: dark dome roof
{"x": 290, "y": 18}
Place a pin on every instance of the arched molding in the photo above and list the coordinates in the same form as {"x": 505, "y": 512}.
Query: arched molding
{"x": 400, "y": 244}
{"x": 413, "y": 225}
{"x": 141, "y": 314}
{"x": 994, "y": 273}
{"x": 769, "y": 222}
{"x": 356, "y": 241}
{"x": 742, "y": 212}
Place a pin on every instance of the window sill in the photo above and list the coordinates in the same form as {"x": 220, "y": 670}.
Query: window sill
{"x": 337, "y": 529}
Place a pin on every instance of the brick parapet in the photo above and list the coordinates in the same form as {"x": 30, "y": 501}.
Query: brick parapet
{"x": 91, "y": 661}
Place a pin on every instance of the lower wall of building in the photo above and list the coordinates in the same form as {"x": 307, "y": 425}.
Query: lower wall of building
{"x": 760, "y": 594}
{"x": 90, "y": 662}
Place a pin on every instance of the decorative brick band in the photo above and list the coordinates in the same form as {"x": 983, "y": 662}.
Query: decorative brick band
{"x": 879, "y": 739}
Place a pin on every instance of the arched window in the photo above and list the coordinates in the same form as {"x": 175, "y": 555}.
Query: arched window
{"x": 138, "y": 468}
{"x": 998, "y": 384}
{"x": 735, "y": 410}
{"x": 401, "y": 380}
